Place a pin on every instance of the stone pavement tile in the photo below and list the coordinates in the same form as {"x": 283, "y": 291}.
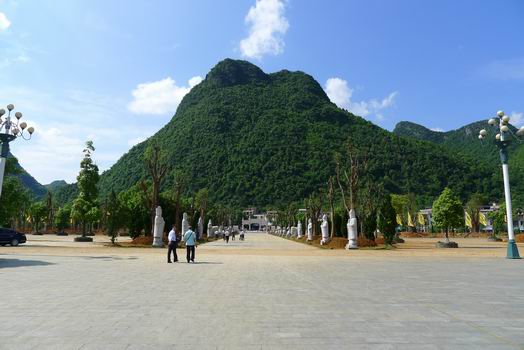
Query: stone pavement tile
{"x": 104, "y": 346}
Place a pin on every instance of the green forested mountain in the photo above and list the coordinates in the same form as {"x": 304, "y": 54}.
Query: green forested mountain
{"x": 463, "y": 140}
{"x": 465, "y": 143}
{"x": 264, "y": 139}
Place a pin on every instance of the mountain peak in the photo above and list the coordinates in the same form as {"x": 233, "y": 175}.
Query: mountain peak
{"x": 230, "y": 72}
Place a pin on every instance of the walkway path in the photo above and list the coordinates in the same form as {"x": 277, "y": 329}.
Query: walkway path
{"x": 236, "y": 298}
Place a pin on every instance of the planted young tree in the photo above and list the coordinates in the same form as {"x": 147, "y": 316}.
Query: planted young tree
{"x": 62, "y": 218}
{"x": 448, "y": 214}
{"x": 331, "y": 200}
{"x": 314, "y": 205}
{"x": 179, "y": 185}
{"x": 498, "y": 219}
{"x": 386, "y": 222}
{"x": 348, "y": 176}
{"x": 156, "y": 162}
{"x": 37, "y": 214}
{"x": 473, "y": 206}
{"x": 201, "y": 202}
{"x": 84, "y": 207}
{"x": 134, "y": 214}
{"x": 50, "y": 210}
{"x": 113, "y": 216}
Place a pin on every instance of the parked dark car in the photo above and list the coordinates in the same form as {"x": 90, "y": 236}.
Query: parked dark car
{"x": 12, "y": 237}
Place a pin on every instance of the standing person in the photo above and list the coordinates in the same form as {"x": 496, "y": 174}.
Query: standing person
{"x": 226, "y": 233}
{"x": 233, "y": 233}
{"x": 172, "y": 244}
{"x": 190, "y": 239}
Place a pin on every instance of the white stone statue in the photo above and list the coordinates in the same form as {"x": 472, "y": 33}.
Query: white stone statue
{"x": 210, "y": 229}
{"x": 200, "y": 226}
{"x": 293, "y": 231}
{"x": 310, "y": 230}
{"x": 158, "y": 230}
{"x": 299, "y": 229}
{"x": 185, "y": 224}
{"x": 325, "y": 230}
{"x": 352, "y": 230}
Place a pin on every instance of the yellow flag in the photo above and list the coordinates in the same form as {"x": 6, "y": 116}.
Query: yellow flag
{"x": 468, "y": 220}
{"x": 410, "y": 222}
{"x": 482, "y": 219}
{"x": 420, "y": 219}
{"x": 399, "y": 220}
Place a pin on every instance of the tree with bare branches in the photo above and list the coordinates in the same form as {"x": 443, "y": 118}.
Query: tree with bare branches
{"x": 348, "y": 176}
{"x": 156, "y": 162}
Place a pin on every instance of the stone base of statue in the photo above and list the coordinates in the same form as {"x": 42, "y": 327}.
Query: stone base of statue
{"x": 494, "y": 239}
{"x": 447, "y": 244}
{"x": 352, "y": 244}
{"x": 83, "y": 239}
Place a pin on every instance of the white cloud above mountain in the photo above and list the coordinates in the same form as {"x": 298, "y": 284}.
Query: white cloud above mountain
{"x": 160, "y": 97}
{"x": 4, "y": 22}
{"x": 340, "y": 93}
{"x": 268, "y": 25}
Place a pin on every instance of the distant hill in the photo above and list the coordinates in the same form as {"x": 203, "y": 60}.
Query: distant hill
{"x": 36, "y": 188}
{"x": 269, "y": 139}
{"x": 464, "y": 142}
{"x": 56, "y": 185}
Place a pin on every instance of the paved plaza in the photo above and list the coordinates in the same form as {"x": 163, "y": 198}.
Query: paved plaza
{"x": 264, "y": 293}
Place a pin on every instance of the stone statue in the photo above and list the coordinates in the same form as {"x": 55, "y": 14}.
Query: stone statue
{"x": 185, "y": 224}
{"x": 310, "y": 230}
{"x": 200, "y": 228}
{"x": 325, "y": 230}
{"x": 158, "y": 230}
{"x": 210, "y": 229}
{"x": 352, "y": 230}
{"x": 299, "y": 229}
{"x": 293, "y": 231}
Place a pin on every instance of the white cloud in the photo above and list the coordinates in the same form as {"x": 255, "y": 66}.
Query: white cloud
{"x": 340, "y": 94}
{"x": 517, "y": 119}
{"x": 437, "y": 129}
{"x": 268, "y": 26}
{"x": 4, "y": 22}
{"x": 159, "y": 97}
{"x": 63, "y": 123}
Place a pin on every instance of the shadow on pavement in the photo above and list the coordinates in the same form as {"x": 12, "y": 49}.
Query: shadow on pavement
{"x": 6, "y": 263}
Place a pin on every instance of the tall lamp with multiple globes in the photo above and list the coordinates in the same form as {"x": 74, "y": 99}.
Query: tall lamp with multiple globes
{"x": 503, "y": 140}
{"x": 11, "y": 129}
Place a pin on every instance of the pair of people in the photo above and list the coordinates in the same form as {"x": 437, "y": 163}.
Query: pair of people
{"x": 189, "y": 238}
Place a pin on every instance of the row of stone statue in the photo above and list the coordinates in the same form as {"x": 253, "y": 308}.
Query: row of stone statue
{"x": 296, "y": 231}
{"x": 158, "y": 230}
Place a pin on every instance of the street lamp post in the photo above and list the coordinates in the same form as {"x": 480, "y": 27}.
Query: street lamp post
{"x": 502, "y": 140}
{"x": 9, "y": 131}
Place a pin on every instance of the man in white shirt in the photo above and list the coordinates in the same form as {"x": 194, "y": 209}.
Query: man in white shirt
{"x": 172, "y": 243}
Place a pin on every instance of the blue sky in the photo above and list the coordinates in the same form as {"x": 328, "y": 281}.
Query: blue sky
{"x": 115, "y": 71}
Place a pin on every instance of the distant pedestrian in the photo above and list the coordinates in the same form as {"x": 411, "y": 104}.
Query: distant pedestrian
{"x": 233, "y": 233}
{"x": 226, "y": 233}
{"x": 172, "y": 245}
{"x": 242, "y": 235}
{"x": 190, "y": 239}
